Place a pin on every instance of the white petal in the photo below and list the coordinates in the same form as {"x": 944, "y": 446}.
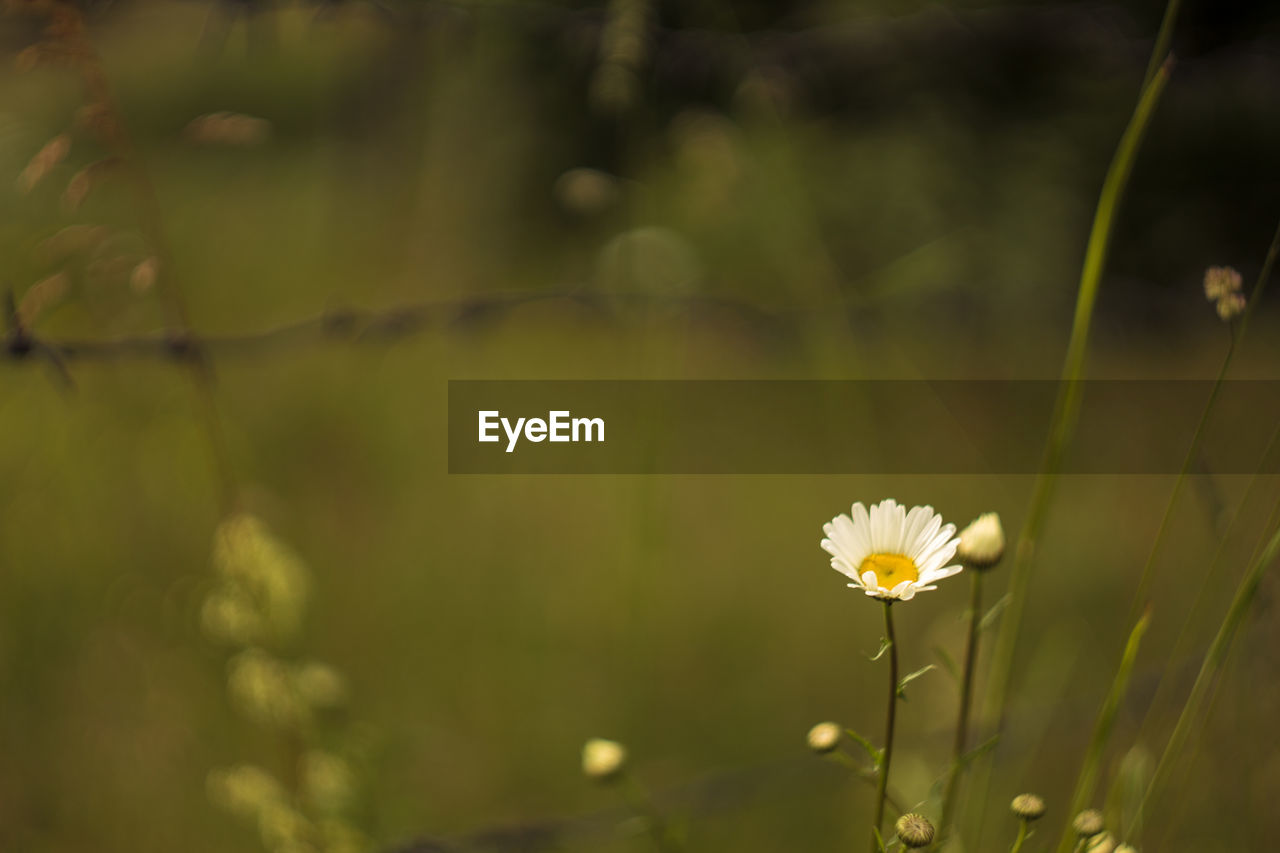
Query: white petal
{"x": 920, "y": 545}
{"x": 876, "y": 528}
{"x": 861, "y": 520}
{"x": 843, "y": 540}
{"x": 940, "y": 574}
{"x": 917, "y": 519}
{"x": 843, "y": 568}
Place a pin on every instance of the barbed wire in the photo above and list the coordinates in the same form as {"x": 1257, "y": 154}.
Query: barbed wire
{"x": 348, "y": 325}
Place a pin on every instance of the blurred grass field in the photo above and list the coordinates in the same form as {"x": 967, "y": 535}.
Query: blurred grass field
{"x": 931, "y": 225}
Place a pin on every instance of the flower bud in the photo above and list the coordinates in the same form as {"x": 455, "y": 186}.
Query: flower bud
{"x": 824, "y": 737}
{"x": 1088, "y": 823}
{"x": 1103, "y": 842}
{"x": 603, "y": 759}
{"x": 982, "y": 542}
{"x": 1027, "y": 806}
{"x": 914, "y": 830}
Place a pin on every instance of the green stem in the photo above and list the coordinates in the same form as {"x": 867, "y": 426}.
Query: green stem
{"x": 1236, "y": 337}
{"x": 1213, "y": 661}
{"x": 1208, "y": 579}
{"x": 966, "y": 694}
{"x": 1113, "y": 187}
{"x": 1022, "y": 836}
{"x": 1145, "y": 578}
{"x": 1163, "y": 38}
{"x": 883, "y": 788}
{"x": 1069, "y": 397}
{"x": 1088, "y": 777}
{"x": 1264, "y": 275}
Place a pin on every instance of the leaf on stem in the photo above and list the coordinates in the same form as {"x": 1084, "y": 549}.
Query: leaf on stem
{"x": 948, "y": 663}
{"x": 884, "y": 647}
{"x": 875, "y": 754}
{"x": 910, "y": 677}
{"x": 990, "y": 617}
{"x": 979, "y": 751}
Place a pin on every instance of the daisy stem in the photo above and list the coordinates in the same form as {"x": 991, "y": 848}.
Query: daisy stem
{"x": 966, "y": 694}
{"x": 882, "y": 789}
{"x": 1022, "y": 836}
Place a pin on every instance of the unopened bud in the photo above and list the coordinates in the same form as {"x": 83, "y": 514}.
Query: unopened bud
{"x": 603, "y": 759}
{"x": 915, "y": 830}
{"x": 1088, "y": 823}
{"x": 1027, "y": 806}
{"x": 982, "y": 542}
{"x": 1102, "y": 843}
{"x": 824, "y": 737}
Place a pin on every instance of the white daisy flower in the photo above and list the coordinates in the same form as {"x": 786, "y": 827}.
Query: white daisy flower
{"x": 891, "y": 553}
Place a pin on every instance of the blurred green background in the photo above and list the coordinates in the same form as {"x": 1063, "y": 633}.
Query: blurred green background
{"x": 795, "y": 190}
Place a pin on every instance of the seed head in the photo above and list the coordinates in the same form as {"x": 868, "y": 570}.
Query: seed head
{"x": 982, "y": 542}
{"x": 914, "y": 830}
{"x": 824, "y": 737}
{"x": 1222, "y": 287}
{"x": 1027, "y": 806}
{"x": 1231, "y": 306}
{"x": 1088, "y": 823}
{"x": 1220, "y": 282}
{"x": 602, "y": 759}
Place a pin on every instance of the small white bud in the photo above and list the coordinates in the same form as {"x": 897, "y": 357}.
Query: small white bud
{"x": 1101, "y": 843}
{"x": 603, "y": 759}
{"x": 982, "y": 542}
{"x": 1088, "y": 823}
{"x": 1028, "y": 806}
{"x": 824, "y": 737}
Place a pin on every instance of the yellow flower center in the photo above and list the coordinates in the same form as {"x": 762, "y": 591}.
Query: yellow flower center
{"x": 890, "y": 569}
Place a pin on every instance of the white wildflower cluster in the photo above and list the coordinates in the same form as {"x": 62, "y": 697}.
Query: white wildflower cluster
{"x": 254, "y": 796}
{"x": 262, "y": 587}
{"x": 257, "y": 605}
{"x": 280, "y": 695}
